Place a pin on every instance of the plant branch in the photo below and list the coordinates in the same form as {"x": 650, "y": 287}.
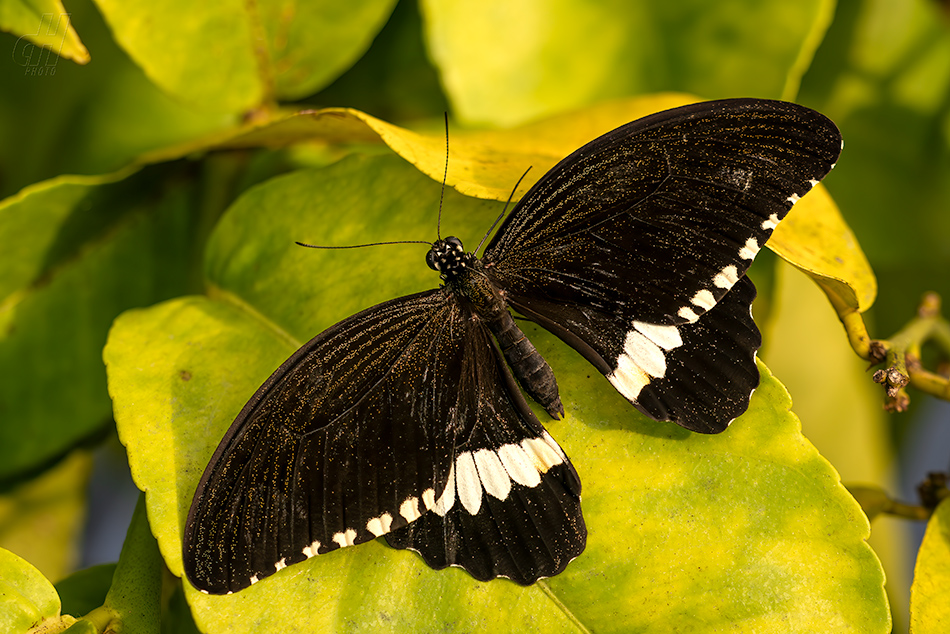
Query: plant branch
{"x": 875, "y": 501}
{"x": 902, "y": 352}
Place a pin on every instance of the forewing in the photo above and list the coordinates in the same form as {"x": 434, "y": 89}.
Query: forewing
{"x": 627, "y": 247}
{"x": 354, "y": 436}
{"x": 657, "y": 219}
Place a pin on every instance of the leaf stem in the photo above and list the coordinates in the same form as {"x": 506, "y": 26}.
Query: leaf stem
{"x": 853, "y": 324}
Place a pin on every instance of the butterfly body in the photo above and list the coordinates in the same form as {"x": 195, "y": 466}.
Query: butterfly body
{"x": 466, "y": 278}
{"x": 406, "y": 420}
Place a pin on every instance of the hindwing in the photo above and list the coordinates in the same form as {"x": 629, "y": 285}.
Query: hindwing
{"x": 401, "y": 412}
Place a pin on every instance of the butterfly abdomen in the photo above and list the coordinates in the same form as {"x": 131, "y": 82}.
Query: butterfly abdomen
{"x": 529, "y": 367}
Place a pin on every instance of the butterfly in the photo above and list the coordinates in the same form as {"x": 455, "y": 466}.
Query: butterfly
{"x": 409, "y": 420}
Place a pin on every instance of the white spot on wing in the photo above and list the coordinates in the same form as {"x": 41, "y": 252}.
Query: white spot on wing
{"x": 428, "y": 498}
{"x": 645, "y": 354}
{"x": 667, "y": 337}
{"x": 519, "y": 465}
{"x": 794, "y": 198}
{"x": 280, "y": 565}
{"x": 254, "y": 579}
{"x": 812, "y": 182}
{"x": 703, "y": 299}
{"x": 553, "y": 446}
{"x": 750, "y": 250}
{"x": 345, "y": 538}
{"x": 688, "y": 314}
{"x": 727, "y": 277}
{"x": 628, "y": 378}
{"x": 466, "y": 479}
{"x": 380, "y": 525}
{"x": 409, "y": 509}
{"x": 772, "y": 222}
{"x": 543, "y": 452}
{"x": 311, "y": 550}
{"x": 447, "y": 499}
{"x": 492, "y": 473}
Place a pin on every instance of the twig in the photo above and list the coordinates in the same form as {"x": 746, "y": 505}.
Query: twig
{"x": 874, "y": 500}
{"x": 902, "y": 352}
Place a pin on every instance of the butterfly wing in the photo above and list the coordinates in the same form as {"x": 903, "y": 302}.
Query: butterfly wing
{"x": 630, "y": 244}
{"x": 376, "y": 423}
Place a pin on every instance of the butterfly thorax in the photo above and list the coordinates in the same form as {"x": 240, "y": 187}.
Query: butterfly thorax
{"x": 464, "y": 275}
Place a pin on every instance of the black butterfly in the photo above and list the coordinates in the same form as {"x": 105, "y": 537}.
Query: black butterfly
{"x": 406, "y": 420}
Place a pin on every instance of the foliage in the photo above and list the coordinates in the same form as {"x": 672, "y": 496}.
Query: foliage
{"x": 153, "y": 196}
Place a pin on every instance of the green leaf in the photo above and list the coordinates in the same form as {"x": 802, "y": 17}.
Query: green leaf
{"x": 557, "y": 56}
{"x": 929, "y": 611}
{"x": 93, "y": 119}
{"x": 233, "y": 56}
{"x": 86, "y": 589}
{"x": 27, "y": 598}
{"x": 747, "y": 529}
{"x": 312, "y": 43}
{"x": 80, "y": 250}
{"x": 176, "y": 619}
{"x": 135, "y": 593}
{"x": 42, "y": 22}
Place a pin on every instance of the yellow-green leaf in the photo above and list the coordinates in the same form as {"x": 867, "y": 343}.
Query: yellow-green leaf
{"x": 815, "y": 239}
{"x": 44, "y": 23}
{"x": 233, "y": 56}
{"x": 27, "y": 598}
{"x": 556, "y": 56}
{"x": 840, "y": 408}
{"x": 747, "y": 529}
{"x": 929, "y": 608}
{"x": 484, "y": 164}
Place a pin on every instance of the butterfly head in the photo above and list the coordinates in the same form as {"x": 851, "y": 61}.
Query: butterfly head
{"x": 448, "y": 257}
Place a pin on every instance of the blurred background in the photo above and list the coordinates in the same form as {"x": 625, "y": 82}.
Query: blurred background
{"x": 134, "y": 79}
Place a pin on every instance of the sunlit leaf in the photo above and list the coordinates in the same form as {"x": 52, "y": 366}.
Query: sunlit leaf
{"x": 749, "y": 527}
{"x": 814, "y": 238}
{"x": 44, "y": 23}
{"x": 551, "y": 57}
{"x": 929, "y": 609}
{"x": 233, "y": 56}
{"x": 27, "y": 598}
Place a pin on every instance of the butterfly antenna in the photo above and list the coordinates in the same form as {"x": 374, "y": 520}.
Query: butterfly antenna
{"x": 360, "y": 246}
{"x": 445, "y": 175}
{"x": 503, "y": 211}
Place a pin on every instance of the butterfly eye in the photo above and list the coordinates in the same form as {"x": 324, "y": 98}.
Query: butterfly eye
{"x": 430, "y": 258}
{"x": 454, "y": 244}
